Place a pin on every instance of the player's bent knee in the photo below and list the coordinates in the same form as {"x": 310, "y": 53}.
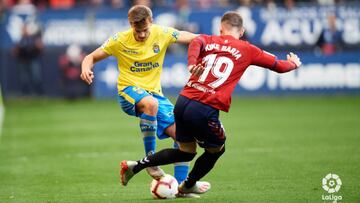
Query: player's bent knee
{"x": 216, "y": 155}
{"x": 216, "y": 150}
{"x": 189, "y": 147}
{"x": 152, "y": 104}
{"x": 148, "y": 105}
{"x": 222, "y": 151}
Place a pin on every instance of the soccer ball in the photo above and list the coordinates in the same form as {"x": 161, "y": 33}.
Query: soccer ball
{"x": 164, "y": 188}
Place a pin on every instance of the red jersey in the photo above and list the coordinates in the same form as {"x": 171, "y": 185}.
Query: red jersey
{"x": 225, "y": 60}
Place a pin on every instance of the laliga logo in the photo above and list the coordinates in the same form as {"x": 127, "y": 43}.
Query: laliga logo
{"x": 331, "y": 184}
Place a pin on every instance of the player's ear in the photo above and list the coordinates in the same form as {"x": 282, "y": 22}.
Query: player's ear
{"x": 150, "y": 20}
{"x": 131, "y": 24}
{"x": 221, "y": 29}
{"x": 242, "y": 31}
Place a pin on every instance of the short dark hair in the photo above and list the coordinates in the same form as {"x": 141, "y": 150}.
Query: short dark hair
{"x": 233, "y": 19}
{"x": 139, "y": 14}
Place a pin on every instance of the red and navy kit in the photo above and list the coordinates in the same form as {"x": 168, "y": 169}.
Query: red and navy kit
{"x": 198, "y": 122}
{"x": 225, "y": 59}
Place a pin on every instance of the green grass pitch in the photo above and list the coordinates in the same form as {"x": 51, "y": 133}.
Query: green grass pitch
{"x": 278, "y": 150}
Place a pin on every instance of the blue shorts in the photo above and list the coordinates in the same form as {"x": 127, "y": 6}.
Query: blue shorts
{"x": 130, "y": 96}
{"x": 198, "y": 122}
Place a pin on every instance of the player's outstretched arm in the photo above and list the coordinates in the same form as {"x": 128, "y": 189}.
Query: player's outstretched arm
{"x": 186, "y": 37}
{"x": 283, "y": 66}
{"x": 267, "y": 60}
{"x": 87, "y": 65}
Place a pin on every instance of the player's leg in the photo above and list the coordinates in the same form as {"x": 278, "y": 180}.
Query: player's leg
{"x": 181, "y": 169}
{"x": 209, "y": 134}
{"x": 147, "y": 108}
{"x": 186, "y": 152}
{"x": 166, "y": 156}
{"x": 137, "y": 102}
{"x": 166, "y": 119}
{"x": 163, "y": 157}
{"x": 203, "y": 165}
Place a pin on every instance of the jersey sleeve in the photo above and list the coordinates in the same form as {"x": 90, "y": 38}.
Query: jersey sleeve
{"x": 110, "y": 45}
{"x": 170, "y": 34}
{"x": 270, "y": 61}
{"x": 196, "y": 46}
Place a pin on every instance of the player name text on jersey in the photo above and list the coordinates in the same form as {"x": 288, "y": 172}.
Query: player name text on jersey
{"x": 233, "y": 51}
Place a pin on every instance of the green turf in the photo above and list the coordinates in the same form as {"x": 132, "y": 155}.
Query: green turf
{"x": 278, "y": 150}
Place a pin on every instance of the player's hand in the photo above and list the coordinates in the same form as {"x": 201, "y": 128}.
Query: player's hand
{"x": 196, "y": 69}
{"x": 294, "y": 58}
{"x": 87, "y": 75}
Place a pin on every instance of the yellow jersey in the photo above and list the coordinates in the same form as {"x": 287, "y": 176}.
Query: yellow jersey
{"x": 140, "y": 63}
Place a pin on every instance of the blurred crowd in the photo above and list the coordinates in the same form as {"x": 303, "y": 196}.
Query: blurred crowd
{"x": 29, "y": 48}
{"x": 193, "y": 4}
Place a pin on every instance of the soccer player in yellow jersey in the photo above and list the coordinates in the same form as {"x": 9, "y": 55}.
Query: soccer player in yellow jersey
{"x": 140, "y": 53}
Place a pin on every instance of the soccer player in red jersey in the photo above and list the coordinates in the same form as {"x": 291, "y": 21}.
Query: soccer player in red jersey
{"x": 217, "y": 64}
